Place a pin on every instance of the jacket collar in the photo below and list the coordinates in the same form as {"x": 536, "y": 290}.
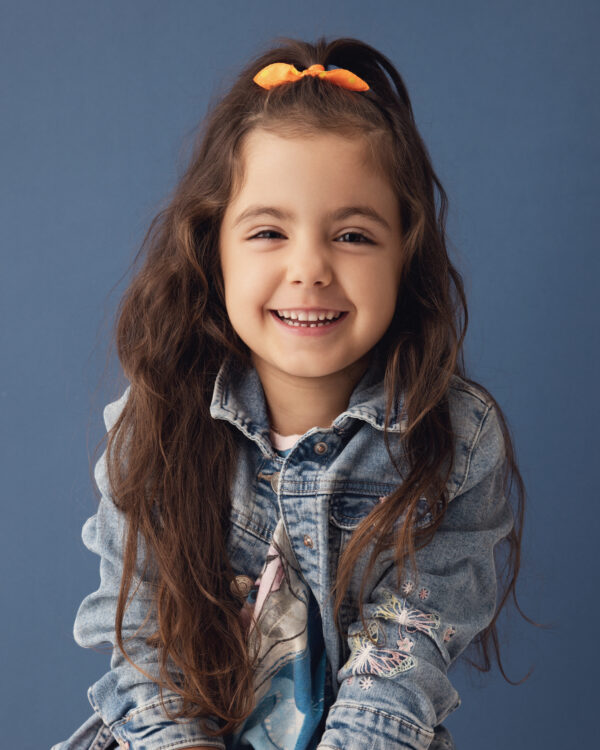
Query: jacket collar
{"x": 238, "y": 397}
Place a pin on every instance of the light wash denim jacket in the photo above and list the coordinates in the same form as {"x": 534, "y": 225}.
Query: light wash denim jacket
{"x": 392, "y": 695}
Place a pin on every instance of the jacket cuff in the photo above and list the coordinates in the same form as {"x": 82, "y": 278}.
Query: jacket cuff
{"x": 349, "y": 723}
{"x": 147, "y": 727}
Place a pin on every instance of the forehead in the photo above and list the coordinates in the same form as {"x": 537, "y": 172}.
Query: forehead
{"x": 311, "y": 160}
{"x": 259, "y": 142}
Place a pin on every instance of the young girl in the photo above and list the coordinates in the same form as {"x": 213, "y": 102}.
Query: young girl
{"x": 302, "y": 492}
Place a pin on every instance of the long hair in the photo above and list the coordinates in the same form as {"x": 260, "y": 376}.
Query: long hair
{"x": 172, "y": 334}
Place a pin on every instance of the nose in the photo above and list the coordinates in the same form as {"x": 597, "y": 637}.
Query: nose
{"x": 309, "y": 264}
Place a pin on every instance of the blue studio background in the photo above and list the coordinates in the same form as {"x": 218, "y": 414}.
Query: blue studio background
{"x": 99, "y": 103}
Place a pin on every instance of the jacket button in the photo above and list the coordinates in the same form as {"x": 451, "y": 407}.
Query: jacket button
{"x": 240, "y": 586}
{"x": 320, "y": 448}
{"x": 308, "y": 542}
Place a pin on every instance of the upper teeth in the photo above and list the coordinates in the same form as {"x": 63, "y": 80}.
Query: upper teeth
{"x": 303, "y": 315}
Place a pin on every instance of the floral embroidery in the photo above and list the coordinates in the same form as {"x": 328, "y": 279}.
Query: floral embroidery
{"x": 407, "y": 587}
{"x": 369, "y": 658}
{"x": 448, "y": 633}
{"x": 365, "y": 683}
{"x": 411, "y": 619}
{"x": 423, "y": 594}
{"x": 350, "y": 680}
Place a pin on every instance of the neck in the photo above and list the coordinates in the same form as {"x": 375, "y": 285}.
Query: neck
{"x": 296, "y": 404}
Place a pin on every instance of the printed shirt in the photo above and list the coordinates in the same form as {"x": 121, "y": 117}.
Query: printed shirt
{"x": 290, "y": 676}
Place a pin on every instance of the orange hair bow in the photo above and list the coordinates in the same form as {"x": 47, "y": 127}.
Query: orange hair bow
{"x": 278, "y": 73}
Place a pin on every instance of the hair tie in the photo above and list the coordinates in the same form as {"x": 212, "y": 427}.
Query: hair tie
{"x": 277, "y": 73}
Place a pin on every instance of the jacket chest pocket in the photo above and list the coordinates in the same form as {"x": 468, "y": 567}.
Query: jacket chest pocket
{"x": 347, "y": 510}
{"x": 247, "y": 544}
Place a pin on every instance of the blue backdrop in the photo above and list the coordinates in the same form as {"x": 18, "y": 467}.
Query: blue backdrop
{"x": 99, "y": 101}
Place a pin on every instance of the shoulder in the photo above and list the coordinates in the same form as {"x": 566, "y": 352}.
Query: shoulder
{"x": 476, "y": 422}
{"x": 112, "y": 411}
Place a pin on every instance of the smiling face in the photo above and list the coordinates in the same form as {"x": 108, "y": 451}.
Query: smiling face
{"x": 315, "y": 228}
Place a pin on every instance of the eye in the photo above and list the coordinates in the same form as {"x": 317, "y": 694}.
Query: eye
{"x": 356, "y": 234}
{"x": 263, "y": 232}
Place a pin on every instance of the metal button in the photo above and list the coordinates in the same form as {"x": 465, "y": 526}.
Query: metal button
{"x": 240, "y": 586}
{"x": 308, "y": 542}
{"x": 320, "y": 448}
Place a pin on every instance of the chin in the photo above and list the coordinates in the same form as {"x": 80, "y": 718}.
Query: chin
{"x": 316, "y": 370}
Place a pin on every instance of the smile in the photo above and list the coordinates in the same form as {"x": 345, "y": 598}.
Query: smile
{"x": 306, "y": 323}
{"x": 310, "y": 315}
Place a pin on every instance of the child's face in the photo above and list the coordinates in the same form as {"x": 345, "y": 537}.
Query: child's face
{"x": 306, "y": 257}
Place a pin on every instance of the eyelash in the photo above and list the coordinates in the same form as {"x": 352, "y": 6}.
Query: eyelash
{"x": 357, "y": 234}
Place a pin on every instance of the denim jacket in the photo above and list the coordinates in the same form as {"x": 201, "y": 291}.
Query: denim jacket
{"x": 394, "y": 694}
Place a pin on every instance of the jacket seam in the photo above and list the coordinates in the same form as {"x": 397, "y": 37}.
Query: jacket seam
{"x": 399, "y": 719}
{"x": 461, "y": 385}
{"x": 144, "y": 707}
{"x": 250, "y": 528}
{"x": 102, "y": 735}
{"x": 154, "y": 703}
{"x": 474, "y": 442}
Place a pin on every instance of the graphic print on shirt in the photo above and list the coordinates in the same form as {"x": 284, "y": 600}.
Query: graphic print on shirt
{"x": 290, "y": 672}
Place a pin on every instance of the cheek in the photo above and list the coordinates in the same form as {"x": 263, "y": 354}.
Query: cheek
{"x": 379, "y": 288}
{"x": 246, "y": 287}
{"x": 234, "y": 273}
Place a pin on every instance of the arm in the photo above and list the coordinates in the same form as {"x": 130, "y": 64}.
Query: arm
{"x": 397, "y": 692}
{"x": 125, "y": 701}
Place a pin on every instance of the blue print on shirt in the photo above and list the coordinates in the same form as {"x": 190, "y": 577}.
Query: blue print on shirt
{"x": 290, "y": 676}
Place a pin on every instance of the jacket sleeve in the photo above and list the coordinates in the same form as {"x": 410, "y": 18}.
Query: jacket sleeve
{"x": 394, "y": 694}
{"x": 126, "y": 703}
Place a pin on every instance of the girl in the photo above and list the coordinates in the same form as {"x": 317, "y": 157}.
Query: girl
{"x": 302, "y": 493}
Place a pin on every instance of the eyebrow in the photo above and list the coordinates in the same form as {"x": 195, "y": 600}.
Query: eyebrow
{"x": 341, "y": 213}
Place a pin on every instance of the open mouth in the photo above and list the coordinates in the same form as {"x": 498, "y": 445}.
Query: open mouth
{"x": 295, "y": 323}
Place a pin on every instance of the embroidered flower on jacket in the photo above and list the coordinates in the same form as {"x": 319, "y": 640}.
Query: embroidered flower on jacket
{"x": 448, "y": 633}
{"x": 407, "y": 587}
{"x": 405, "y": 644}
{"x": 423, "y": 594}
{"x": 366, "y": 683}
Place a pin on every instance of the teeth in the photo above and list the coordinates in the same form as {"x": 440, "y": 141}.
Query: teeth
{"x": 309, "y": 316}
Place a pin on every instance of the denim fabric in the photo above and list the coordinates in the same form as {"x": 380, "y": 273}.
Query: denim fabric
{"x": 391, "y": 694}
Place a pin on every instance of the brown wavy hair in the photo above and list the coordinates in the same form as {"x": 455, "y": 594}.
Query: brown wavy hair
{"x": 172, "y": 334}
